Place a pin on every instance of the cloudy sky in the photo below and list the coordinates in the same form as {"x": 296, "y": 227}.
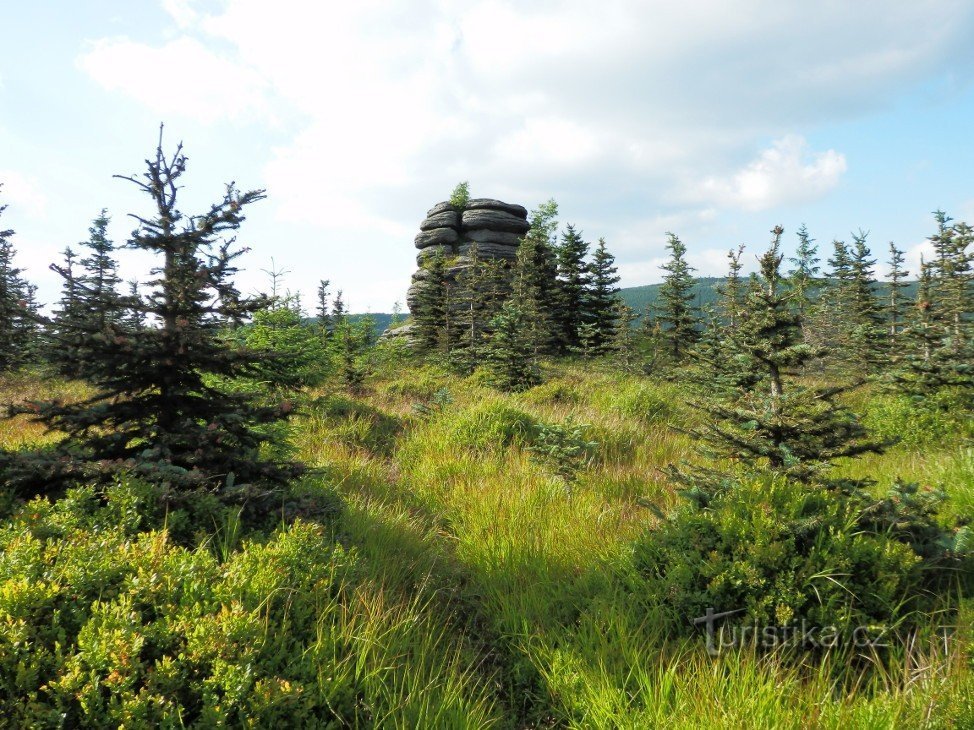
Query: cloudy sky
{"x": 712, "y": 119}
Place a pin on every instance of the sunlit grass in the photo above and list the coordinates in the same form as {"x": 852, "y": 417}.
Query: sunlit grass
{"x": 494, "y": 593}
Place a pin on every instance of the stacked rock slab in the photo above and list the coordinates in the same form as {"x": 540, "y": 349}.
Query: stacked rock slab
{"x": 495, "y": 227}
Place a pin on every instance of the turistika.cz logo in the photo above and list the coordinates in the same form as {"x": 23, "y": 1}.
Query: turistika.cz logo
{"x": 722, "y": 635}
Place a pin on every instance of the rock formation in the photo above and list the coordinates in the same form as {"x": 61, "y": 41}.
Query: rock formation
{"x": 496, "y": 228}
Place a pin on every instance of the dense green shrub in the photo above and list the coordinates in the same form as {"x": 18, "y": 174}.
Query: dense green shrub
{"x": 493, "y": 425}
{"x": 782, "y": 552}
{"x": 300, "y": 355}
{"x": 103, "y": 624}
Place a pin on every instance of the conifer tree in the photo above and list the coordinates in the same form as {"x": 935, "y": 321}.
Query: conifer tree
{"x": 602, "y": 297}
{"x": 17, "y": 327}
{"x": 338, "y": 309}
{"x": 803, "y": 278}
{"x": 896, "y": 306}
{"x": 624, "y": 342}
{"x": 481, "y": 287}
{"x": 69, "y": 319}
{"x": 322, "y": 312}
{"x": 574, "y": 285}
{"x": 536, "y": 276}
{"x": 730, "y": 294}
{"x": 158, "y": 408}
{"x": 675, "y": 310}
{"x": 719, "y": 366}
{"x": 90, "y": 300}
{"x": 509, "y": 354}
{"x": 867, "y": 337}
{"x": 100, "y": 280}
{"x": 430, "y": 315}
{"x": 772, "y": 419}
{"x": 351, "y": 346}
{"x": 830, "y": 319}
{"x": 133, "y": 316}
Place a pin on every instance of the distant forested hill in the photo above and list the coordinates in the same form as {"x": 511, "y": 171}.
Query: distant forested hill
{"x": 637, "y": 297}
{"x": 382, "y": 320}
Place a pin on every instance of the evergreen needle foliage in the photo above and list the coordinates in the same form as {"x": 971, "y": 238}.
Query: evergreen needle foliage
{"x": 162, "y": 405}
{"x": 762, "y": 415}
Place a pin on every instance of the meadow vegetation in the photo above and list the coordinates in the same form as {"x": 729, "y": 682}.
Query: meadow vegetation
{"x": 215, "y": 513}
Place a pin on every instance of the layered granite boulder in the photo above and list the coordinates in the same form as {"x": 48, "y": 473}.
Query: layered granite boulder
{"x": 494, "y": 227}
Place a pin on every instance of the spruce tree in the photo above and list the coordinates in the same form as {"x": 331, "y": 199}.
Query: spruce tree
{"x": 602, "y": 297}
{"x": 830, "y": 317}
{"x": 100, "y": 280}
{"x": 90, "y": 300}
{"x": 730, "y": 294}
{"x": 481, "y": 288}
{"x": 771, "y": 419}
{"x": 896, "y": 303}
{"x": 624, "y": 343}
{"x": 867, "y": 336}
{"x": 160, "y": 405}
{"x": 430, "y": 315}
{"x": 133, "y": 316}
{"x": 322, "y": 312}
{"x": 803, "y": 278}
{"x": 17, "y": 326}
{"x": 69, "y": 319}
{"x": 675, "y": 310}
{"x": 510, "y": 354}
{"x": 351, "y": 345}
{"x": 536, "y": 277}
{"x": 574, "y": 285}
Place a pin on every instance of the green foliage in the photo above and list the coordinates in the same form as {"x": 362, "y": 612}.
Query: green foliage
{"x": 643, "y": 401}
{"x": 293, "y": 353}
{"x": 354, "y": 424}
{"x": 493, "y": 426}
{"x": 460, "y": 195}
{"x": 675, "y": 310}
{"x": 603, "y": 297}
{"x": 18, "y": 329}
{"x": 510, "y": 353}
{"x": 784, "y": 552}
{"x": 104, "y": 624}
{"x": 437, "y": 404}
{"x": 573, "y": 290}
{"x": 352, "y": 347}
{"x": 430, "y": 311}
{"x": 565, "y": 447}
{"x": 797, "y": 431}
{"x": 159, "y": 406}
{"x": 931, "y": 421}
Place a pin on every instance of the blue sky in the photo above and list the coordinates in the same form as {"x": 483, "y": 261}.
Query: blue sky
{"x": 714, "y": 120}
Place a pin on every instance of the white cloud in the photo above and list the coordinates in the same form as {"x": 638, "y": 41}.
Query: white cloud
{"x": 630, "y": 108}
{"x": 787, "y": 172}
{"x": 181, "y": 11}
{"x": 182, "y": 78}
{"x": 22, "y": 192}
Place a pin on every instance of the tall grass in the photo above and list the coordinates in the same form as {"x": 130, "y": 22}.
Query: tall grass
{"x": 489, "y": 595}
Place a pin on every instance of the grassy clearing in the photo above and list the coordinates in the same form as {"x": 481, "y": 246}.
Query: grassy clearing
{"x": 490, "y": 592}
{"x": 536, "y": 578}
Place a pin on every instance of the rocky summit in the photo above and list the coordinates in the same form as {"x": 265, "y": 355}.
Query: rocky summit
{"x": 492, "y": 227}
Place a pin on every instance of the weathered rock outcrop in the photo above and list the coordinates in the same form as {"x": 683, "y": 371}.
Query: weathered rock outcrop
{"x": 493, "y": 226}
